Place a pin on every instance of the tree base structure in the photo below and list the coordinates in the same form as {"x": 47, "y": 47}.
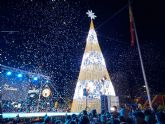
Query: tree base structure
{"x": 80, "y": 104}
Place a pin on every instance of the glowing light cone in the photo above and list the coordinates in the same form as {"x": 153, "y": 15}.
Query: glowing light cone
{"x": 93, "y": 76}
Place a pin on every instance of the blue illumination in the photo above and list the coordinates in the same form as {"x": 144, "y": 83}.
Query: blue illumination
{"x": 8, "y": 73}
{"x": 19, "y": 75}
{"x": 47, "y": 81}
{"x": 35, "y": 78}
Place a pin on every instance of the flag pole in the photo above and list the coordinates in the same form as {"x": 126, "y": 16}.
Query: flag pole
{"x": 141, "y": 61}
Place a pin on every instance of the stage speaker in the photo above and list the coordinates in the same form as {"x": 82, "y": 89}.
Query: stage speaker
{"x": 107, "y": 102}
{"x": 104, "y": 103}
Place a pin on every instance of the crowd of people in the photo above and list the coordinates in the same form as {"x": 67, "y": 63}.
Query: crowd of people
{"x": 118, "y": 116}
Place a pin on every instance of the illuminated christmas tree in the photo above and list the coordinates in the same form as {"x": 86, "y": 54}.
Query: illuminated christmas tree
{"x": 93, "y": 80}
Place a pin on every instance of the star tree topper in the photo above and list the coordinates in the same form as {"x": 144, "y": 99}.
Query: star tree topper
{"x": 91, "y": 14}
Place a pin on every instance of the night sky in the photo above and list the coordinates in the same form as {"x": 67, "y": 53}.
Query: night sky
{"x": 50, "y": 39}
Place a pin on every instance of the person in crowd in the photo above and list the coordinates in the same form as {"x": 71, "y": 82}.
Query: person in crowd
{"x": 160, "y": 118}
{"x": 58, "y": 122}
{"x": 103, "y": 119}
{"x": 73, "y": 122}
{"x": 122, "y": 120}
{"x": 149, "y": 117}
{"x": 68, "y": 119}
{"x": 93, "y": 117}
{"x": 102, "y": 111}
{"x": 84, "y": 112}
{"x": 115, "y": 114}
{"x": 75, "y": 118}
{"x": 122, "y": 111}
{"x": 47, "y": 120}
{"x": 139, "y": 118}
{"x": 84, "y": 120}
{"x": 108, "y": 116}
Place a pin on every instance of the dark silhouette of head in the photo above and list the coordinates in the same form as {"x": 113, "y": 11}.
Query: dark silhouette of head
{"x": 160, "y": 117}
{"x": 84, "y": 120}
